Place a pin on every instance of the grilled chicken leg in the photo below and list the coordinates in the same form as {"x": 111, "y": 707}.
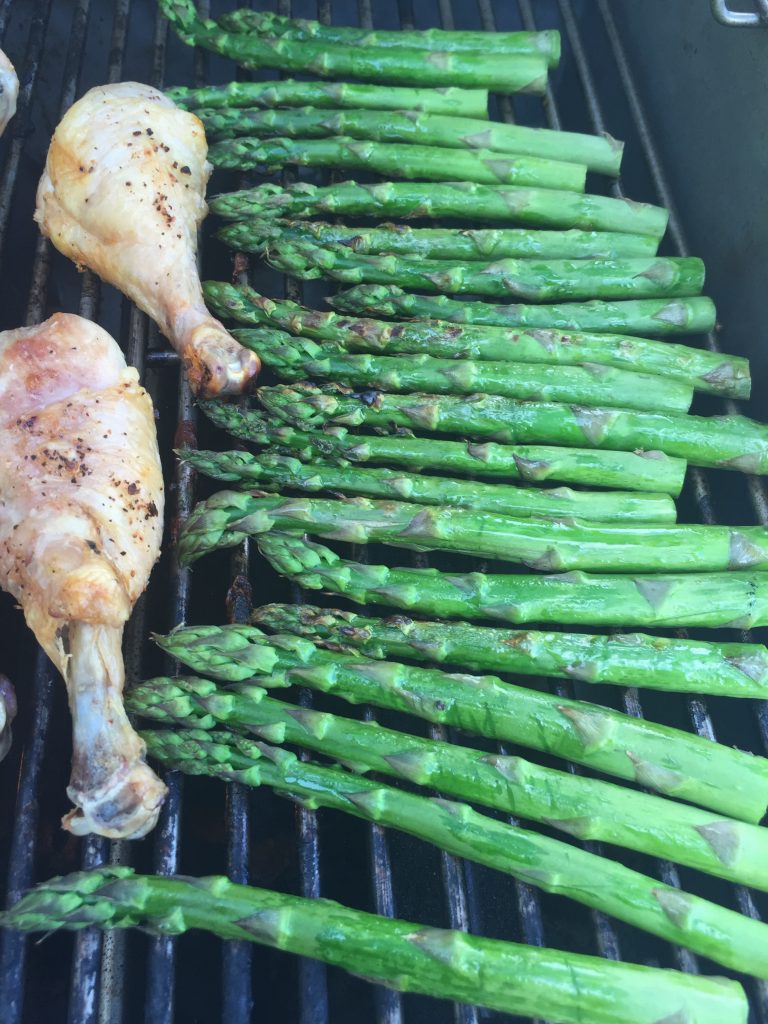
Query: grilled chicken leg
{"x": 81, "y": 503}
{"x": 123, "y": 193}
{"x": 9, "y": 91}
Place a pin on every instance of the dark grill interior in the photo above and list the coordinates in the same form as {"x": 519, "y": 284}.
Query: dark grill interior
{"x": 607, "y": 73}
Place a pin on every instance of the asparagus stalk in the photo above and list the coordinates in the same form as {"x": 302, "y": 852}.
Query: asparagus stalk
{"x": 463, "y": 200}
{"x": 721, "y": 442}
{"x": 564, "y": 987}
{"x": 228, "y": 517}
{"x": 545, "y": 44}
{"x": 575, "y": 804}
{"x": 399, "y": 160}
{"x": 274, "y": 472}
{"x": 254, "y": 235}
{"x": 291, "y": 93}
{"x": 668, "y": 760}
{"x": 532, "y": 280}
{"x": 733, "y": 600}
{"x": 593, "y": 384}
{"x": 706, "y": 371}
{"x": 723, "y": 935}
{"x": 398, "y": 66}
{"x": 597, "y": 152}
{"x": 626, "y": 659}
{"x": 620, "y": 470}
{"x": 653, "y": 317}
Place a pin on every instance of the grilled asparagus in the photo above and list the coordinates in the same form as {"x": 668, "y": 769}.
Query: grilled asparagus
{"x": 274, "y": 472}
{"x": 645, "y": 317}
{"x": 640, "y": 471}
{"x": 624, "y": 659}
{"x": 460, "y": 200}
{"x": 668, "y": 760}
{"x": 735, "y": 600}
{"x": 564, "y": 987}
{"x": 722, "y": 442}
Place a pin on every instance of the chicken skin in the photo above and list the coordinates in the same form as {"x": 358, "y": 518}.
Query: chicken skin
{"x": 9, "y": 91}
{"x": 81, "y": 506}
{"x": 123, "y": 194}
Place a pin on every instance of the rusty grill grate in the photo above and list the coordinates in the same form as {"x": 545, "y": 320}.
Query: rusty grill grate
{"x": 62, "y": 48}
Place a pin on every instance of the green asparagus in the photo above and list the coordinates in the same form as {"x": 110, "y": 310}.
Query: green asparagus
{"x": 440, "y": 243}
{"x": 463, "y": 200}
{"x": 274, "y": 472}
{"x": 593, "y": 384}
{"x": 291, "y": 93}
{"x": 546, "y": 44}
{"x": 723, "y": 935}
{"x": 563, "y": 987}
{"x": 733, "y": 600}
{"x": 722, "y": 442}
{"x": 626, "y": 659}
{"x": 590, "y": 809}
{"x": 401, "y": 160}
{"x": 652, "y": 317}
{"x": 668, "y": 760}
{"x": 532, "y": 280}
{"x": 706, "y": 371}
{"x": 619, "y": 470}
{"x": 228, "y": 517}
{"x": 597, "y": 152}
{"x": 399, "y": 66}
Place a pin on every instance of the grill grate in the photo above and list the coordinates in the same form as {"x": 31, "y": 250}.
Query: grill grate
{"x": 121, "y": 978}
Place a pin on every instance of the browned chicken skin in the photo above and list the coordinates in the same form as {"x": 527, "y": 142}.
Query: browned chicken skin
{"x": 81, "y": 506}
{"x": 123, "y": 194}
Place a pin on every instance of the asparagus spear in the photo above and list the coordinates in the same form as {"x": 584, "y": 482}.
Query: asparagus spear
{"x": 228, "y": 517}
{"x": 399, "y": 66}
{"x": 254, "y": 235}
{"x": 592, "y": 384}
{"x": 733, "y": 600}
{"x": 649, "y": 471}
{"x": 626, "y": 659}
{"x": 545, "y": 44}
{"x": 463, "y": 200}
{"x": 652, "y": 317}
{"x": 668, "y": 760}
{"x": 431, "y": 163}
{"x": 596, "y": 152}
{"x": 575, "y": 804}
{"x": 291, "y": 93}
{"x": 532, "y": 280}
{"x": 723, "y": 935}
{"x": 564, "y": 987}
{"x": 273, "y": 472}
{"x": 707, "y": 371}
{"x": 722, "y": 442}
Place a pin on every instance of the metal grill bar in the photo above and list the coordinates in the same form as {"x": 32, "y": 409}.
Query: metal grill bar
{"x": 26, "y": 89}
{"x": 528, "y": 899}
{"x": 388, "y": 1005}
{"x": 740, "y": 19}
{"x": 237, "y": 957}
{"x": 26, "y": 821}
{"x": 313, "y": 976}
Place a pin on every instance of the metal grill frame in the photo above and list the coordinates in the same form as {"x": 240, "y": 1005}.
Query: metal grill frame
{"x": 101, "y": 968}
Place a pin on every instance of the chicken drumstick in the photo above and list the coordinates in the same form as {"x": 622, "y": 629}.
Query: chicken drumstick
{"x": 81, "y": 507}
{"x": 123, "y": 194}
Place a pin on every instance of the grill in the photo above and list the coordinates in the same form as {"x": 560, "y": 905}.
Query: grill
{"x": 603, "y": 83}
